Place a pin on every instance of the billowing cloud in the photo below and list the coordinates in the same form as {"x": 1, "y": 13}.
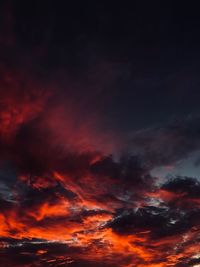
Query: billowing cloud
{"x": 68, "y": 195}
{"x": 88, "y": 209}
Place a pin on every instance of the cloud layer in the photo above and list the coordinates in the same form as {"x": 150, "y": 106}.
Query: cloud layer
{"x": 63, "y": 202}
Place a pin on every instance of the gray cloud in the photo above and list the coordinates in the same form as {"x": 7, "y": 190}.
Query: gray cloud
{"x": 167, "y": 145}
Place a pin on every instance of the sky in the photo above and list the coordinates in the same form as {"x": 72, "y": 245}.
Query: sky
{"x": 99, "y": 134}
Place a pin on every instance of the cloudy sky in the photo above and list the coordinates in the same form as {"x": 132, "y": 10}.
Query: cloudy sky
{"x": 99, "y": 134}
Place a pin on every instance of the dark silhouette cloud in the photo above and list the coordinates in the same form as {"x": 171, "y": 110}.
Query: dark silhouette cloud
{"x": 166, "y": 145}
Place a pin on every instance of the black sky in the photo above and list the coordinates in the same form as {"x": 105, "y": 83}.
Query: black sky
{"x": 144, "y": 56}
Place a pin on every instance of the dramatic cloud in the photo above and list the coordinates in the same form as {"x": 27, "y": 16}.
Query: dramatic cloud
{"x": 66, "y": 201}
{"x": 84, "y": 208}
{"x": 74, "y": 191}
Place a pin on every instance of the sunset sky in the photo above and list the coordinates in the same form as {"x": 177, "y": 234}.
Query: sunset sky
{"x": 99, "y": 134}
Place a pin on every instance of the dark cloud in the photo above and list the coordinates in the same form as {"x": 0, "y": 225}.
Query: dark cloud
{"x": 188, "y": 262}
{"x": 44, "y": 254}
{"x": 181, "y": 192}
{"x": 160, "y": 222}
{"x": 167, "y": 145}
{"x": 91, "y": 202}
{"x": 76, "y": 80}
{"x": 187, "y": 186}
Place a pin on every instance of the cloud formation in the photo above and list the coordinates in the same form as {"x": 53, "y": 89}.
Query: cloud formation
{"x": 166, "y": 145}
{"x": 64, "y": 203}
{"x": 68, "y": 196}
